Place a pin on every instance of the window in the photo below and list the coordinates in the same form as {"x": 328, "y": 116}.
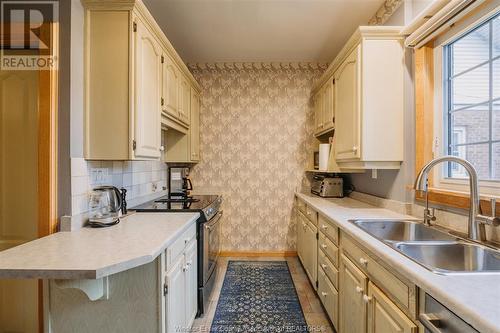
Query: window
{"x": 472, "y": 101}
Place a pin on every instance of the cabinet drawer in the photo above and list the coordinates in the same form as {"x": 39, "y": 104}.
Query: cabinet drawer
{"x": 330, "y": 270}
{"x": 330, "y": 249}
{"x": 176, "y": 249}
{"x": 403, "y": 292}
{"x": 312, "y": 215}
{"x": 301, "y": 205}
{"x": 329, "y": 297}
{"x": 327, "y": 228}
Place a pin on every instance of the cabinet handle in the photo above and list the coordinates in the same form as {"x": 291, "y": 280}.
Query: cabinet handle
{"x": 187, "y": 240}
{"x": 324, "y": 227}
{"x": 162, "y": 148}
{"x": 324, "y": 294}
{"x": 354, "y": 148}
{"x": 324, "y": 246}
{"x": 189, "y": 263}
{"x": 359, "y": 290}
{"x": 363, "y": 261}
{"x": 323, "y": 266}
{"x": 366, "y": 298}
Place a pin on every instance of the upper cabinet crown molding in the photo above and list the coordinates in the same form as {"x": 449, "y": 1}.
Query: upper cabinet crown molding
{"x": 140, "y": 8}
{"x": 363, "y": 32}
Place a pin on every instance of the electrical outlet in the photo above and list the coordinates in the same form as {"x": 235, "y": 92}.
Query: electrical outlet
{"x": 374, "y": 174}
{"x": 98, "y": 175}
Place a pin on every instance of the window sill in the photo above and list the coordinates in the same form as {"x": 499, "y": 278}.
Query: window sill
{"x": 458, "y": 200}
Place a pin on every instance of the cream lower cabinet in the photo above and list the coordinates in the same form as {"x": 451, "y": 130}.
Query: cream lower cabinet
{"x": 181, "y": 291}
{"x": 352, "y": 306}
{"x": 384, "y": 316}
{"x": 311, "y": 252}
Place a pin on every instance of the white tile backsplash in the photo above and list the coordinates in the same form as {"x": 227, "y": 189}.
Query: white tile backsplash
{"x": 137, "y": 177}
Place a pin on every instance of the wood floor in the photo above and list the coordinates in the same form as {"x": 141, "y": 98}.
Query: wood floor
{"x": 315, "y": 316}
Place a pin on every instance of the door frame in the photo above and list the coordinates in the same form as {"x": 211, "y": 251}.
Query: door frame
{"x": 48, "y": 89}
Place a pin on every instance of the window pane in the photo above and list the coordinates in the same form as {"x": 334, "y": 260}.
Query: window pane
{"x": 496, "y": 120}
{"x": 496, "y": 78}
{"x": 471, "y": 125}
{"x": 478, "y": 155}
{"x": 496, "y": 36}
{"x": 496, "y": 160}
{"x": 471, "y": 50}
{"x": 471, "y": 87}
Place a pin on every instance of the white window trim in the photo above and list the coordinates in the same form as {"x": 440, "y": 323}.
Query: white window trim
{"x": 440, "y": 181}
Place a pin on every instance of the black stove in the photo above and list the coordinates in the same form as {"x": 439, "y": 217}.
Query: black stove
{"x": 207, "y": 205}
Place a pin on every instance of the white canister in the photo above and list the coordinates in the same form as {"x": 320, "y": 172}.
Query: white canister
{"x": 324, "y": 155}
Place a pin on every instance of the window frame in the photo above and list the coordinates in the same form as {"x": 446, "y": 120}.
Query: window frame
{"x": 441, "y": 180}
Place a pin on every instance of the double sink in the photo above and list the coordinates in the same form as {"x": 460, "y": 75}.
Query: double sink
{"x": 436, "y": 250}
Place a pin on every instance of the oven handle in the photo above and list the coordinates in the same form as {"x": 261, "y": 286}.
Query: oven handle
{"x": 216, "y": 220}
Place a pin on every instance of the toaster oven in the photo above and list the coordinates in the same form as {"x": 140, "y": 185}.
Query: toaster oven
{"x": 327, "y": 186}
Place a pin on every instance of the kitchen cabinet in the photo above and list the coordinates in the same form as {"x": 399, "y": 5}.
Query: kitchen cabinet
{"x": 311, "y": 252}
{"x": 368, "y": 100}
{"x": 352, "y": 306}
{"x": 135, "y": 83}
{"x": 347, "y": 138}
{"x": 191, "y": 283}
{"x": 194, "y": 127}
{"x": 384, "y": 316}
{"x": 301, "y": 228}
{"x": 324, "y": 109}
{"x": 147, "y": 121}
{"x": 170, "y": 87}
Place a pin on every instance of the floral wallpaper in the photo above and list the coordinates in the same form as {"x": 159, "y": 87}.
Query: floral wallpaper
{"x": 256, "y": 126}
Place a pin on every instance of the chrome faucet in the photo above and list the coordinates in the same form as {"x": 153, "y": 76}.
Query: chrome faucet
{"x": 476, "y": 220}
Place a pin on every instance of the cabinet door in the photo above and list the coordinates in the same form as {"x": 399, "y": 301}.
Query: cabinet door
{"x": 170, "y": 87}
{"x": 347, "y": 107}
{"x": 352, "y": 306}
{"x": 384, "y": 316}
{"x": 329, "y": 107}
{"x": 147, "y": 114}
{"x": 194, "y": 127}
{"x": 301, "y": 227}
{"x": 318, "y": 112}
{"x": 185, "y": 100}
{"x": 311, "y": 252}
{"x": 176, "y": 297}
{"x": 191, "y": 283}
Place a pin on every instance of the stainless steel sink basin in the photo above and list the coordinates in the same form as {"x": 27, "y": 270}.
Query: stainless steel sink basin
{"x": 452, "y": 257}
{"x": 402, "y": 231}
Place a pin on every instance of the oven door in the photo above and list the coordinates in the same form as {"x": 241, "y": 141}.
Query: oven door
{"x": 211, "y": 244}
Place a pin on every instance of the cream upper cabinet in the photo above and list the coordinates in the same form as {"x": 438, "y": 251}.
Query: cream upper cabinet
{"x": 170, "y": 87}
{"x": 384, "y": 316}
{"x": 194, "y": 127}
{"x": 347, "y": 139}
{"x": 132, "y": 74}
{"x": 185, "y": 101}
{"x": 368, "y": 100}
{"x": 324, "y": 109}
{"x": 147, "y": 120}
{"x": 352, "y": 306}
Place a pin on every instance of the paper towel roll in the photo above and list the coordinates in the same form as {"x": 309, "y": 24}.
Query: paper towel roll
{"x": 324, "y": 155}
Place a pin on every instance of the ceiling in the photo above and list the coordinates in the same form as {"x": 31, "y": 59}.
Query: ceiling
{"x": 260, "y": 30}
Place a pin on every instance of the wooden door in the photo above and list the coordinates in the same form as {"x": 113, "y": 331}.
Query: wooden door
{"x": 147, "y": 113}
{"x": 170, "y": 87}
{"x": 353, "y": 309}
{"x": 19, "y": 111}
{"x": 384, "y": 316}
{"x": 329, "y": 107}
{"x": 191, "y": 284}
{"x": 318, "y": 111}
{"x": 311, "y": 252}
{"x": 194, "y": 127}
{"x": 176, "y": 297}
{"x": 347, "y": 108}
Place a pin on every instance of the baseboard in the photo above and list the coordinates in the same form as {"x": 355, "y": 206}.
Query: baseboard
{"x": 258, "y": 254}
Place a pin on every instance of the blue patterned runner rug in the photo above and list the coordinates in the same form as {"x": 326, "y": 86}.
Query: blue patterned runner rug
{"x": 258, "y": 296}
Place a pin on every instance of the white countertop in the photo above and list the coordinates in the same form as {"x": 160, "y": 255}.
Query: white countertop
{"x": 474, "y": 298}
{"x": 91, "y": 253}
